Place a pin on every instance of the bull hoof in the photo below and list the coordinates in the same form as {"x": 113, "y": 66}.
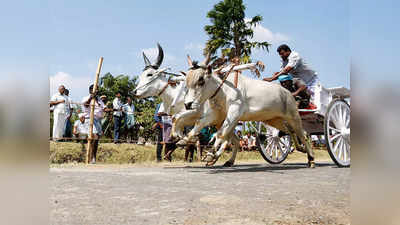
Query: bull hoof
{"x": 211, "y": 163}
{"x": 209, "y": 157}
{"x": 228, "y": 164}
{"x": 311, "y": 164}
{"x": 181, "y": 143}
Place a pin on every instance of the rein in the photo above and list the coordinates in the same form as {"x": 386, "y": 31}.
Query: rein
{"x": 165, "y": 87}
{"x": 222, "y": 83}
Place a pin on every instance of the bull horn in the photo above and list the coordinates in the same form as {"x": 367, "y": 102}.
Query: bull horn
{"x": 206, "y": 60}
{"x": 146, "y": 60}
{"x": 184, "y": 74}
{"x": 160, "y": 56}
{"x": 190, "y": 62}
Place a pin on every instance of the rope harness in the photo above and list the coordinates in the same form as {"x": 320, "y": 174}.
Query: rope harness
{"x": 222, "y": 83}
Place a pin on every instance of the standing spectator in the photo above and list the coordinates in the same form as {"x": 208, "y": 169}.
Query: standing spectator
{"x": 169, "y": 145}
{"x": 190, "y": 147}
{"x": 98, "y": 116}
{"x": 158, "y": 127}
{"x": 129, "y": 109}
{"x": 108, "y": 117}
{"x": 117, "y": 107}
{"x": 69, "y": 110}
{"x": 59, "y": 113}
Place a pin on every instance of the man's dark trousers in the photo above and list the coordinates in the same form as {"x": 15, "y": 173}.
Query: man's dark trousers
{"x": 159, "y": 145}
{"x": 117, "y": 127}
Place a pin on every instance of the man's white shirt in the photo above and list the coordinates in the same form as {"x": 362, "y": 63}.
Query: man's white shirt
{"x": 83, "y": 128}
{"x": 129, "y": 109}
{"x": 117, "y": 106}
{"x": 60, "y": 107}
{"x": 98, "y": 108}
{"x": 300, "y": 68}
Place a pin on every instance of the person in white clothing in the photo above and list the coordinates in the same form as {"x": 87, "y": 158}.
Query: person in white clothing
{"x": 117, "y": 115}
{"x": 98, "y": 115}
{"x": 59, "y": 113}
{"x": 129, "y": 109}
{"x": 81, "y": 127}
{"x": 295, "y": 65}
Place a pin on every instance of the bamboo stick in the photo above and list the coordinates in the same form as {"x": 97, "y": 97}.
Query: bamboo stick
{"x": 92, "y": 105}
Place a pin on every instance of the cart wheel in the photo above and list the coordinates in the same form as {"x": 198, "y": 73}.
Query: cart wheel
{"x": 273, "y": 148}
{"x": 337, "y": 132}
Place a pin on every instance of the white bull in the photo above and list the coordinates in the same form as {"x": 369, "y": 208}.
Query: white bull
{"x": 154, "y": 82}
{"x": 253, "y": 100}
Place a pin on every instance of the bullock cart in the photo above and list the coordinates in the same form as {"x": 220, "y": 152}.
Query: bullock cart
{"x": 330, "y": 117}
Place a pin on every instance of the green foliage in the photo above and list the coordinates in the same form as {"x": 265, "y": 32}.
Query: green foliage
{"x": 109, "y": 85}
{"x": 230, "y": 32}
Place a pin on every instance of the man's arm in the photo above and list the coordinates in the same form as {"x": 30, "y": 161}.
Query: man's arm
{"x": 285, "y": 70}
{"x": 301, "y": 86}
{"x": 90, "y": 99}
{"x": 56, "y": 102}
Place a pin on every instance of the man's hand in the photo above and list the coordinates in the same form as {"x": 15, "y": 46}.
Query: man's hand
{"x": 269, "y": 79}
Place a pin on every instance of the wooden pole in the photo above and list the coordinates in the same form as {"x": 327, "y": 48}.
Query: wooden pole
{"x": 92, "y": 104}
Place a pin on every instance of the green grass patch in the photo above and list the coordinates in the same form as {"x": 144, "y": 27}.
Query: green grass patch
{"x": 109, "y": 153}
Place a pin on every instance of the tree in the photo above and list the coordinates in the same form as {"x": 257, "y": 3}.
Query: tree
{"x": 109, "y": 85}
{"x": 231, "y": 32}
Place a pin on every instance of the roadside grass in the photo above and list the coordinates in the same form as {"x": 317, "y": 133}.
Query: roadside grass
{"x": 145, "y": 155}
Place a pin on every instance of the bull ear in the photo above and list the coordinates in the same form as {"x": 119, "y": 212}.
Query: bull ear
{"x": 190, "y": 62}
{"x": 146, "y": 60}
{"x": 183, "y": 73}
{"x": 160, "y": 56}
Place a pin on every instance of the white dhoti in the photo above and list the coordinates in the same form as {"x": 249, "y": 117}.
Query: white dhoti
{"x": 314, "y": 87}
{"x": 58, "y": 125}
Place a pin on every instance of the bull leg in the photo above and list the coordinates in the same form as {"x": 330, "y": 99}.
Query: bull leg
{"x": 297, "y": 127}
{"x": 227, "y": 129}
{"x": 235, "y": 147}
{"x": 181, "y": 120}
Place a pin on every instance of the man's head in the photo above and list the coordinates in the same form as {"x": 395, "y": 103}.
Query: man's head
{"x": 82, "y": 117}
{"x": 103, "y": 98}
{"x": 129, "y": 100}
{"x": 235, "y": 60}
{"x": 284, "y": 51}
{"x": 118, "y": 94}
{"x": 61, "y": 89}
{"x": 239, "y": 133}
{"x": 248, "y": 134}
{"x": 66, "y": 92}
{"x": 286, "y": 80}
{"x": 91, "y": 89}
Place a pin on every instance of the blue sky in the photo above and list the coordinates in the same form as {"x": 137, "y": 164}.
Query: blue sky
{"x": 64, "y": 39}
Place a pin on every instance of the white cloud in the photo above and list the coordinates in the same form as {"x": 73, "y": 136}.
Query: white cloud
{"x": 78, "y": 86}
{"x": 264, "y": 34}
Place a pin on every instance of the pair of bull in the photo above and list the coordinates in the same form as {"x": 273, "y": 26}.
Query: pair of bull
{"x": 208, "y": 100}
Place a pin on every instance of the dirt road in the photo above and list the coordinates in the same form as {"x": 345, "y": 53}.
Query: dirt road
{"x": 244, "y": 194}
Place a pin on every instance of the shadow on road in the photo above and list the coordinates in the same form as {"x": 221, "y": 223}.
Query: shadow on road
{"x": 251, "y": 168}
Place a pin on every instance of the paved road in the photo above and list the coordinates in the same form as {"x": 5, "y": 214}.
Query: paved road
{"x": 244, "y": 194}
